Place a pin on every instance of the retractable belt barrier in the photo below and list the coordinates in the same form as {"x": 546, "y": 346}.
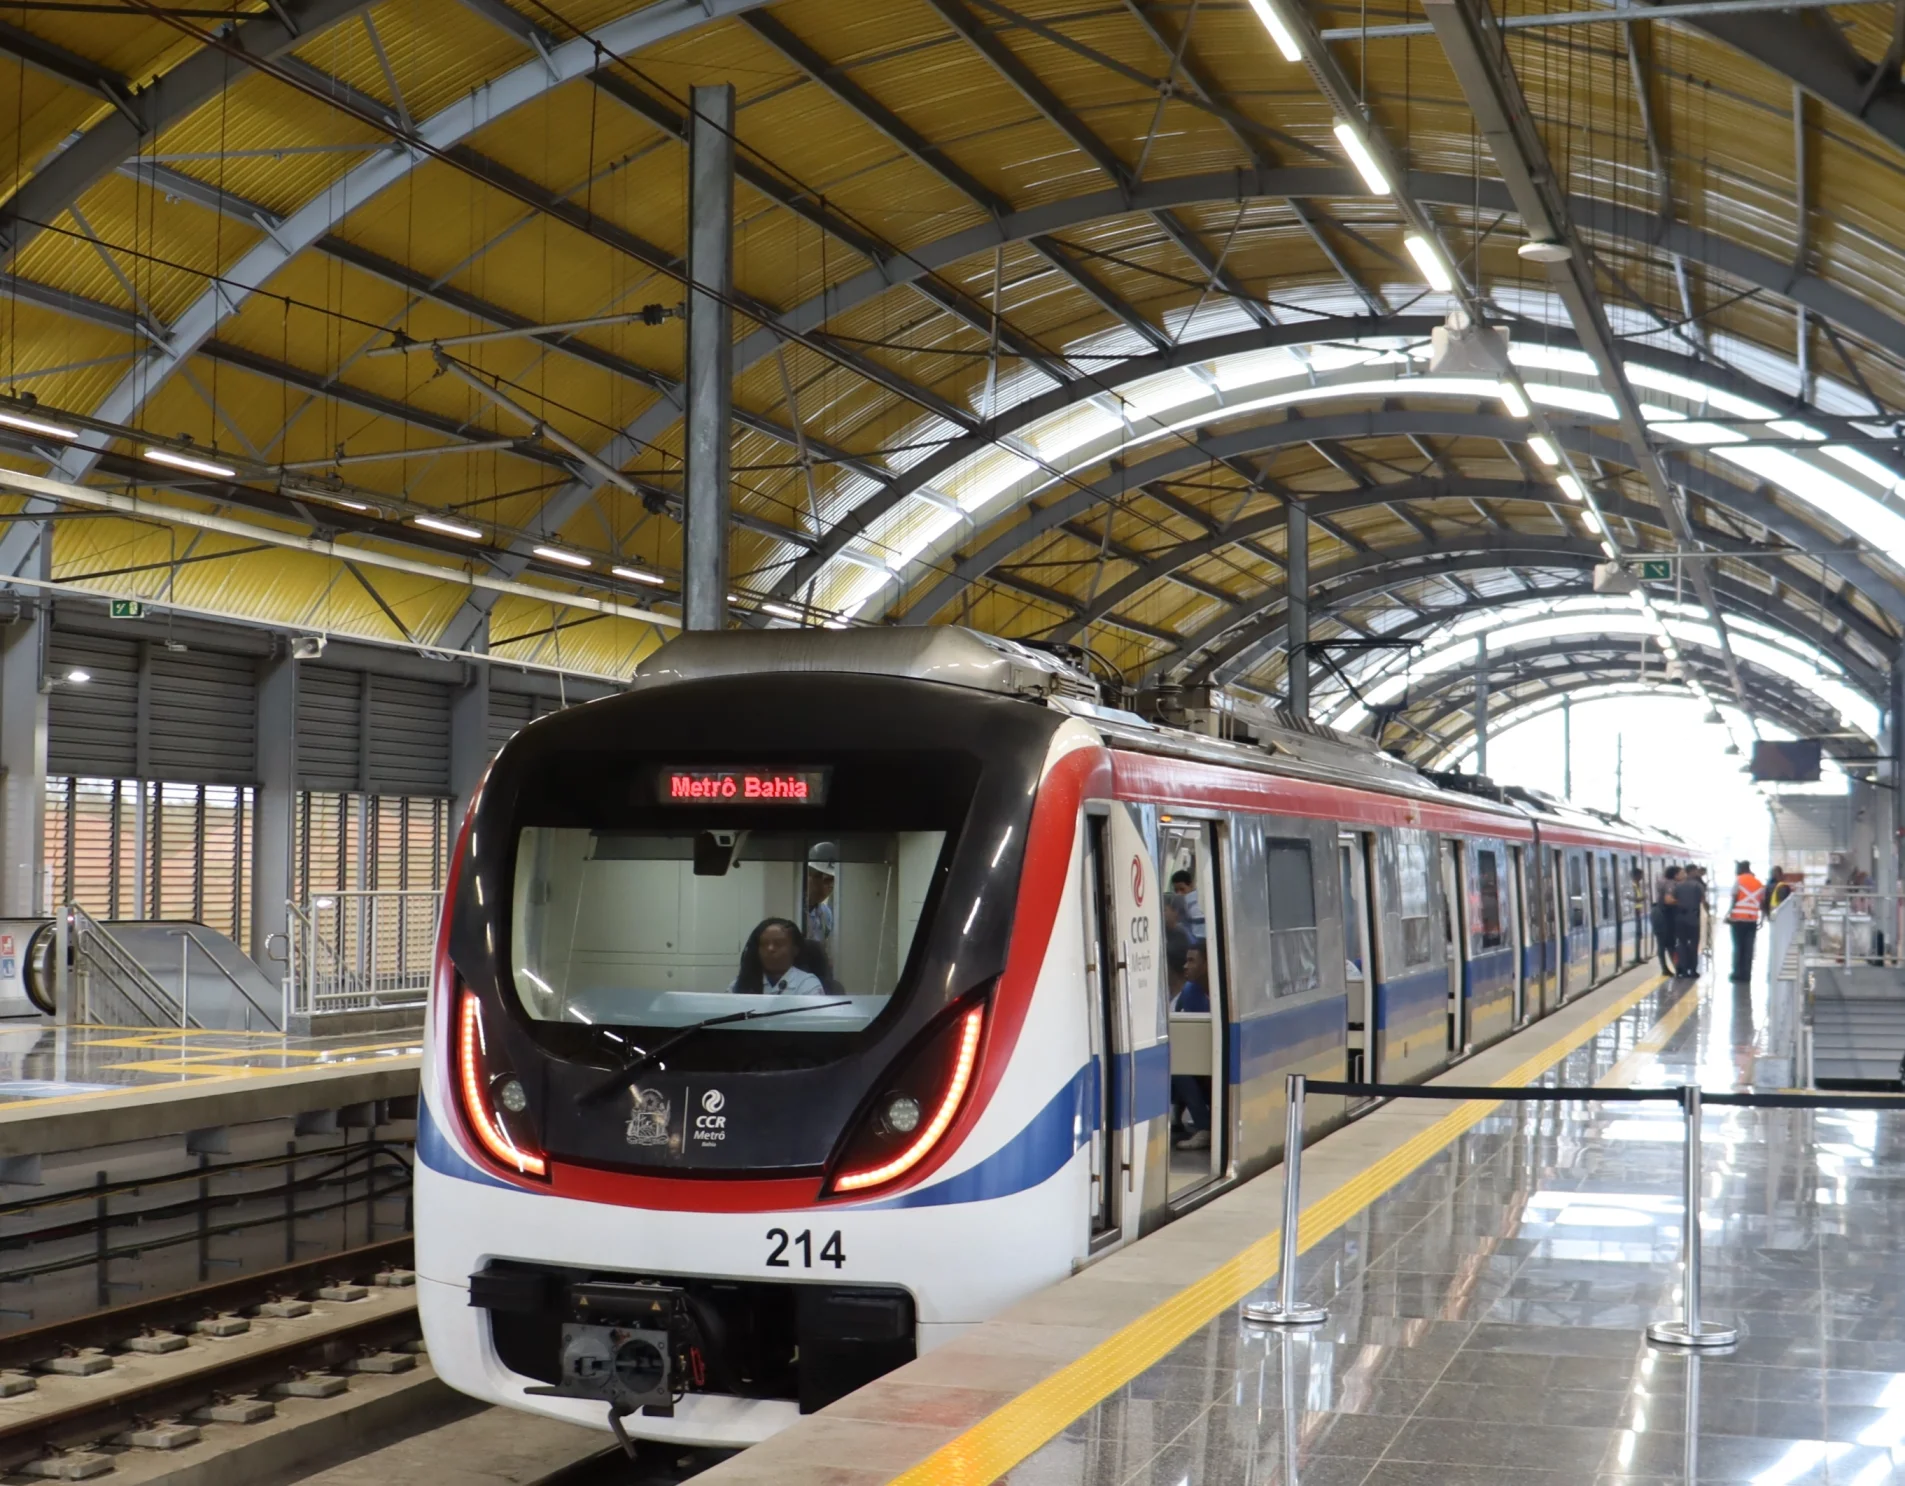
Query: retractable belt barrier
{"x": 1690, "y": 1330}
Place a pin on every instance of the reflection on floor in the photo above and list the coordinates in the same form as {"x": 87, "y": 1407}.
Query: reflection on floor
{"x": 1486, "y": 1315}
{"x": 51, "y": 1065}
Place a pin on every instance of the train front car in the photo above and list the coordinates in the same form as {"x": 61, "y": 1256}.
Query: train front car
{"x": 721, "y": 1119}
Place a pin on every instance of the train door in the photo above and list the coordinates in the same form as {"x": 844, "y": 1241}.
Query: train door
{"x": 1557, "y": 927}
{"x": 1607, "y": 918}
{"x": 1515, "y": 912}
{"x": 1454, "y": 926}
{"x": 1198, "y": 1006}
{"x": 1107, "y": 1041}
{"x": 1359, "y": 953}
{"x": 1577, "y": 938}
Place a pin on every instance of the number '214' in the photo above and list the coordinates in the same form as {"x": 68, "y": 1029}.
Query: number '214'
{"x": 830, "y": 1252}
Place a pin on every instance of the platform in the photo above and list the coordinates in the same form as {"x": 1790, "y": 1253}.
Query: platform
{"x": 78, "y": 1088}
{"x": 1489, "y": 1271}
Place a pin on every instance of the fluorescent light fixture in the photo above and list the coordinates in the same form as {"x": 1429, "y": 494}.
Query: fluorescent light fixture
{"x": 1544, "y": 451}
{"x": 1358, "y": 152}
{"x": 186, "y": 462}
{"x": 780, "y": 611}
{"x": 450, "y": 528}
{"x": 567, "y": 559}
{"x": 79, "y": 677}
{"x": 1572, "y": 486}
{"x": 636, "y": 575}
{"x": 36, "y": 425}
{"x": 1512, "y": 399}
{"x": 1279, "y": 33}
{"x": 1429, "y": 259}
{"x": 1613, "y": 552}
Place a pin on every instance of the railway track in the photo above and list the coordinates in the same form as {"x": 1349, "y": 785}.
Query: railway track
{"x": 78, "y": 1397}
{"x": 312, "y": 1372}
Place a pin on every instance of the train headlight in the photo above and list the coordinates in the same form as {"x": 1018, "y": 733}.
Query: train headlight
{"x": 509, "y": 1094}
{"x": 902, "y": 1114}
{"x": 901, "y": 1128}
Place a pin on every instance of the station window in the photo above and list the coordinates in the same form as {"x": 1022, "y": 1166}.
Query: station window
{"x": 1489, "y": 891}
{"x": 1412, "y": 896}
{"x": 1293, "y": 966}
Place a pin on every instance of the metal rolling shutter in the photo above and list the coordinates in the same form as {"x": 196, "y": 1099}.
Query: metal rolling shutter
{"x": 93, "y": 729}
{"x": 509, "y": 713}
{"x": 202, "y": 717}
{"x": 408, "y": 743}
{"x": 330, "y": 725}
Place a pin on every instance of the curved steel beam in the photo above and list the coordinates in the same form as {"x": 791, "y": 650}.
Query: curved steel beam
{"x": 1711, "y": 251}
{"x": 1250, "y": 439}
{"x": 52, "y": 189}
{"x": 1573, "y": 657}
{"x": 1116, "y": 377}
{"x": 1454, "y": 728}
{"x": 1751, "y": 602}
{"x": 390, "y": 164}
{"x": 1172, "y": 559}
{"x": 1812, "y": 52}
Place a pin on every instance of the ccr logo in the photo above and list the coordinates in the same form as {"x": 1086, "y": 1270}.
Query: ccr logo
{"x": 713, "y": 1100}
{"x": 1137, "y": 880}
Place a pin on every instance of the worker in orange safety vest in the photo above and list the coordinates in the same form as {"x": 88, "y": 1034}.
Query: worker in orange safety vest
{"x": 1749, "y": 896}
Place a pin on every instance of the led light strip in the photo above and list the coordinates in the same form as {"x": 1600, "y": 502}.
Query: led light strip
{"x": 498, "y": 1144}
{"x": 942, "y": 1117}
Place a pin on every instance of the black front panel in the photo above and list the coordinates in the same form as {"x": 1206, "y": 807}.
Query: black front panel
{"x": 839, "y": 759}
{"x": 747, "y": 1339}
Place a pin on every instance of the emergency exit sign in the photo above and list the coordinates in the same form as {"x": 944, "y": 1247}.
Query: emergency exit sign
{"x": 128, "y": 609}
{"x": 1656, "y": 572}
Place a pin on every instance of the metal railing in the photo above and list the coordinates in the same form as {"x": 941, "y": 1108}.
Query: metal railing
{"x": 1848, "y": 926}
{"x": 361, "y": 950}
{"x": 113, "y": 988}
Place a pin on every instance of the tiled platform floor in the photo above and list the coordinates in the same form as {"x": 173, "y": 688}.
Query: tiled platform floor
{"x": 1486, "y": 1315}
{"x": 53, "y": 1066}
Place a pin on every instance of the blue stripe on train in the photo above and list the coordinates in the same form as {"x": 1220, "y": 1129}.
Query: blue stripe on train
{"x": 1411, "y": 999}
{"x": 1260, "y": 1044}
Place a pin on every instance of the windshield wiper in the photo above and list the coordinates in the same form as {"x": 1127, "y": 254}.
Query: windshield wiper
{"x": 642, "y": 1059}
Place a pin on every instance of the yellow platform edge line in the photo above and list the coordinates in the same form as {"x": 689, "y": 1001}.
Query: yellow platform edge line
{"x": 1013, "y": 1432}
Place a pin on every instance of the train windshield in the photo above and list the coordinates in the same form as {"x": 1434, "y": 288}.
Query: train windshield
{"x": 667, "y": 926}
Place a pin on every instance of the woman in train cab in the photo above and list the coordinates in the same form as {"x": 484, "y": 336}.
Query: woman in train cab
{"x": 769, "y": 963}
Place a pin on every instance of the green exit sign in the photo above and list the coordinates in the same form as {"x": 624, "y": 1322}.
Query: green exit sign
{"x": 128, "y": 609}
{"x": 1656, "y": 572}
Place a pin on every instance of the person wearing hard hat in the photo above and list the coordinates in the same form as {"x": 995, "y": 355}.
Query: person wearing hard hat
{"x": 822, "y": 871}
{"x": 1749, "y": 894}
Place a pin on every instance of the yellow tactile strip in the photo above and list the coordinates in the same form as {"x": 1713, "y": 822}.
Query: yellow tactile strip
{"x": 1010, "y": 1434}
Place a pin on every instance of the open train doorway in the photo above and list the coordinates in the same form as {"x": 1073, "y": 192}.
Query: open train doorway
{"x": 1359, "y": 953}
{"x": 1195, "y": 990}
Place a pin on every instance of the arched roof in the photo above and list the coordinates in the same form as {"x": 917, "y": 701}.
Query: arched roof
{"x": 1045, "y": 317}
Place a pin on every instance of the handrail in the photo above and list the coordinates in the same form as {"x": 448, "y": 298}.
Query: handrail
{"x": 186, "y": 931}
{"x": 94, "y": 944}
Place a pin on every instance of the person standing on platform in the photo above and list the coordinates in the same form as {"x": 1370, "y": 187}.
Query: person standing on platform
{"x": 1689, "y": 895}
{"x": 1663, "y": 918}
{"x": 1743, "y": 913}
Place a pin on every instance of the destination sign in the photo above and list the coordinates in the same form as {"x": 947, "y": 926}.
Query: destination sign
{"x": 743, "y": 786}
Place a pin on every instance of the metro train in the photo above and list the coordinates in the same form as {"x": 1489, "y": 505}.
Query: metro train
{"x": 813, "y": 1000}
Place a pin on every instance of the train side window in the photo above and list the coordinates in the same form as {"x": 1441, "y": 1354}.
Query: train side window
{"x": 1489, "y": 890}
{"x": 1577, "y": 892}
{"x": 1412, "y": 897}
{"x": 1293, "y": 967}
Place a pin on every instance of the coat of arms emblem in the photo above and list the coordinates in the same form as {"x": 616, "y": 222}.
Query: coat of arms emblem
{"x": 647, "y": 1117}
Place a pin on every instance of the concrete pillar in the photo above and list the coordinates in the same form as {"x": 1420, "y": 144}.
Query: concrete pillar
{"x": 23, "y": 698}
{"x": 1296, "y": 582}
{"x": 710, "y": 379}
{"x": 274, "y": 831}
{"x": 469, "y": 739}
{"x": 1481, "y": 704}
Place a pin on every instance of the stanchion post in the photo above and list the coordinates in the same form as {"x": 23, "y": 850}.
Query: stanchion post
{"x": 1690, "y": 1330}
{"x": 1286, "y": 1310}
